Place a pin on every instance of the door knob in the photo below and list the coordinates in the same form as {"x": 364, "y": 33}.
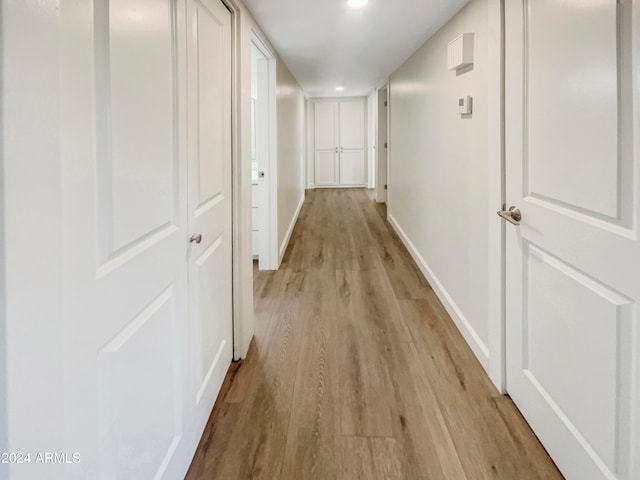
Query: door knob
{"x": 260, "y": 174}
{"x": 197, "y": 238}
{"x": 512, "y": 215}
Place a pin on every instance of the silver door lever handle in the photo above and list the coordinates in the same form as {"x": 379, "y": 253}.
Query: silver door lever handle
{"x": 512, "y": 215}
{"x": 197, "y": 238}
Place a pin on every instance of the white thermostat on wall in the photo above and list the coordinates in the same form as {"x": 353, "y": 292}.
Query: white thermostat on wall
{"x": 464, "y": 105}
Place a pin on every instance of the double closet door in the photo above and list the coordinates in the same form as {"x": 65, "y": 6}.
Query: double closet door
{"x": 340, "y": 143}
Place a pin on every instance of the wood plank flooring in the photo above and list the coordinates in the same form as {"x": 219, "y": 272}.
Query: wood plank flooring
{"x": 357, "y": 372}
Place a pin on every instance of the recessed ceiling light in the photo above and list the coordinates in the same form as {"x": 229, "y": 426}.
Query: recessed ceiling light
{"x": 339, "y": 89}
{"x": 357, "y": 3}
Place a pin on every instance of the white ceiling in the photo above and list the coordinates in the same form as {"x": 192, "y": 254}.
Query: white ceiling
{"x": 326, "y": 44}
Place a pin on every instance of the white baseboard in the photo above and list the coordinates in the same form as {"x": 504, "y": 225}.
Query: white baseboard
{"x": 287, "y": 237}
{"x": 470, "y": 335}
{"x": 364, "y": 185}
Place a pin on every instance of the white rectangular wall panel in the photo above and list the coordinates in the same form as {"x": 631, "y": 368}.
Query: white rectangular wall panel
{"x": 460, "y": 52}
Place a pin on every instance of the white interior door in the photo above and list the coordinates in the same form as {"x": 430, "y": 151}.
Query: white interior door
{"x": 209, "y": 207}
{"x": 573, "y": 264}
{"x": 125, "y": 239}
{"x": 326, "y": 143}
{"x": 352, "y": 142}
{"x": 140, "y": 331}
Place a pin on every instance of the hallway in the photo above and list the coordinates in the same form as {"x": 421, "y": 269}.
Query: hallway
{"x": 356, "y": 371}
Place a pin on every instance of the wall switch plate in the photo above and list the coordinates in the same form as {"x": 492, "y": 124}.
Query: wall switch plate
{"x": 464, "y": 105}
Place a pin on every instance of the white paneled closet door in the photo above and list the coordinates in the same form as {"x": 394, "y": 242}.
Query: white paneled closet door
{"x": 209, "y": 206}
{"x": 326, "y": 144}
{"x": 147, "y": 164}
{"x": 125, "y": 239}
{"x": 352, "y": 142}
{"x": 340, "y": 143}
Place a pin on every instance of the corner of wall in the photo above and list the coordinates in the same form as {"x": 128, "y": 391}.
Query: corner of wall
{"x": 478, "y": 347}
{"x": 285, "y": 242}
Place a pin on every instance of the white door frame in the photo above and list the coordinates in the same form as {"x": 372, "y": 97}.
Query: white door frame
{"x": 372, "y": 138}
{"x": 268, "y": 249}
{"x": 496, "y": 191}
{"x": 243, "y": 326}
{"x": 382, "y": 153}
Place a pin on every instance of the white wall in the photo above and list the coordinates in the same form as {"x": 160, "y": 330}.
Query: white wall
{"x": 31, "y": 298}
{"x": 438, "y": 172}
{"x": 291, "y": 145}
{"x": 3, "y": 332}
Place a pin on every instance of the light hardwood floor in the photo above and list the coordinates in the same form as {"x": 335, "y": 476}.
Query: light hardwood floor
{"x": 357, "y": 372}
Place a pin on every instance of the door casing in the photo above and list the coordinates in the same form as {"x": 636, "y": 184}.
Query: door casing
{"x": 382, "y": 151}
{"x": 268, "y": 249}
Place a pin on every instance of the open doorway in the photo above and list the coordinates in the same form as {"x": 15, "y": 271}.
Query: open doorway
{"x": 263, "y": 156}
{"x": 382, "y": 145}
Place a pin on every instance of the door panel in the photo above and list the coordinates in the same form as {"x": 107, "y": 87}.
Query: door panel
{"x": 147, "y": 314}
{"x": 327, "y": 167}
{"x": 124, "y": 244}
{"x": 352, "y": 124}
{"x": 573, "y": 280}
{"x": 138, "y": 168}
{"x": 576, "y": 79}
{"x": 209, "y": 209}
{"x": 139, "y": 389}
{"x": 352, "y": 167}
{"x": 326, "y": 125}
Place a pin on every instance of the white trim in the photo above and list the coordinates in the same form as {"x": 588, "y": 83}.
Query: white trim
{"x": 382, "y": 195}
{"x": 287, "y": 237}
{"x": 383, "y": 83}
{"x": 362, "y": 185}
{"x": 310, "y": 157}
{"x": 496, "y": 191}
{"x": 470, "y": 335}
{"x": 241, "y": 176}
{"x": 268, "y": 258}
{"x": 336, "y": 99}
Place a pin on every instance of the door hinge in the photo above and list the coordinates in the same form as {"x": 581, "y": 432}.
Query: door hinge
{"x": 385, "y": 186}
{"x": 385, "y": 145}
{"x": 386, "y": 103}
